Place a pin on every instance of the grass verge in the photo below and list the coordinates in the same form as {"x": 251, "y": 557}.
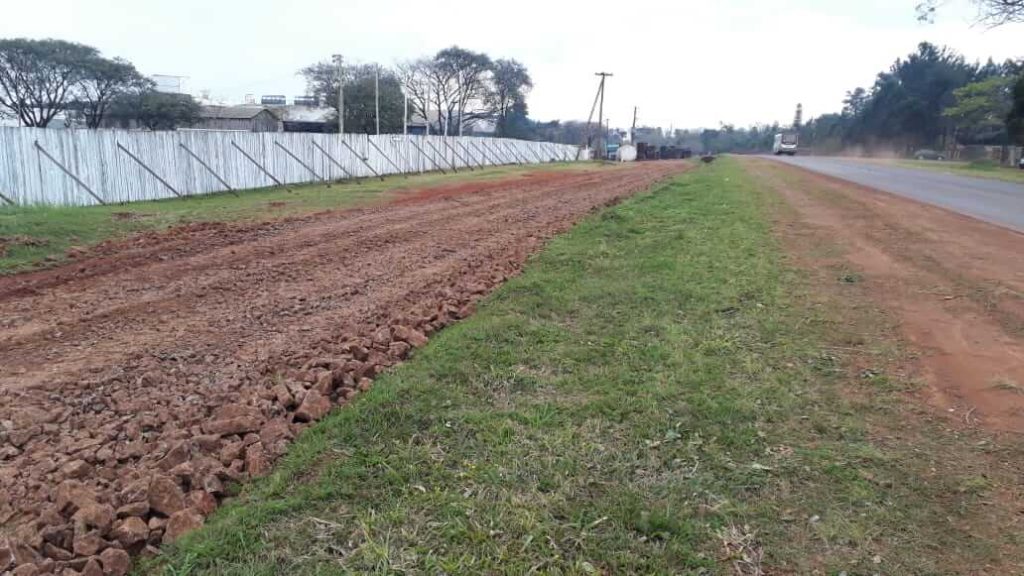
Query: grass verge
{"x": 975, "y": 169}
{"x": 34, "y": 235}
{"x": 654, "y": 395}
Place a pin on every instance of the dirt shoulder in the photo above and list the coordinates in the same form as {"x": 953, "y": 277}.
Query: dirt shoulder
{"x": 953, "y": 285}
{"x": 138, "y": 380}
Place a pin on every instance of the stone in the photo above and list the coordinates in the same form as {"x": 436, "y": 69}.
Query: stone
{"x": 283, "y": 395}
{"x": 92, "y": 568}
{"x": 182, "y": 522}
{"x": 57, "y": 553}
{"x": 133, "y": 509}
{"x": 208, "y": 443}
{"x": 324, "y": 383}
{"x": 137, "y": 491}
{"x": 410, "y": 335}
{"x": 71, "y": 495}
{"x": 256, "y": 462}
{"x": 165, "y": 496}
{"x": 88, "y": 544}
{"x": 178, "y": 454}
{"x": 25, "y": 570}
{"x": 399, "y": 349}
{"x": 93, "y": 515}
{"x": 228, "y": 426}
{"x": 115, "y": 562}
{"x": 314, "y": 407}
{"x": 365, "y": 384}
{"x": 58, "y": 534}
{"x": 131, "y": 531}
{"x": 202, "y": 501}
{"x": 76, "y": 469}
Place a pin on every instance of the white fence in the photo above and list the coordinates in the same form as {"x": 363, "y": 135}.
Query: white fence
{"x": 81, "y": 167}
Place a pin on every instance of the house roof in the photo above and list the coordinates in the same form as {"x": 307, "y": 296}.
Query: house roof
{"x": 231, "y": 112}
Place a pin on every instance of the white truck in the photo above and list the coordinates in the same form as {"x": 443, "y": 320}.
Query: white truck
{"x": 785, "y": 143}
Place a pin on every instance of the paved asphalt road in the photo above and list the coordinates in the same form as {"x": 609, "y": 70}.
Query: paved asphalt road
{"x": 995, "y": 201}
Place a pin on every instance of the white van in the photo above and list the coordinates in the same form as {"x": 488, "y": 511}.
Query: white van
{"x": 785, "y": 143}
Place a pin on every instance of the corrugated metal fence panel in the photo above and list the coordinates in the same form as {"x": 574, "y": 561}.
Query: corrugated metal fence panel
{"x": 69, "y": 167}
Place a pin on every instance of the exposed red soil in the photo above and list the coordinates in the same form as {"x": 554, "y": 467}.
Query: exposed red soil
{"x": 955, "y": 285}
{"x": 138, "y": 380}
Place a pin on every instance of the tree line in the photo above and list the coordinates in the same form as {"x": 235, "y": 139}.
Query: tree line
{"x": 42, "y": 79}
{"x": 451, "y": 92}
{"x": 932, "y": 98}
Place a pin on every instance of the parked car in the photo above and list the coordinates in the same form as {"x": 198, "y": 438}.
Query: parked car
{"x": 1020, "y": 163}
{"x": 926, "y": 154}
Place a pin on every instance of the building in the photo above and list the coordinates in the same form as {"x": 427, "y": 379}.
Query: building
{"x": 246, "y": 118}
{"x": 306, "y": 118}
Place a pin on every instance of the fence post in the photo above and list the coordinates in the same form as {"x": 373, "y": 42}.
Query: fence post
{"x": 427, "y": 156}
{"x": 69, "y": 173}
{"x": 457, "y": 155}
{"x": 381, "y": 152}
{"x": 488, "y": 154}
{"x": 335, "y": 162}
{"x": 208, "y": 169}
{"x": 512, "y": 151}
{"x": 535, "y": 154}
{"x": 148, "y": 169}
{"x": 454, "y": 169}
{"x": 362, "y": 159}
{"x": 297, "y": 159}
{"x": 258, "y": 165}
{"x": 469, "y": 154}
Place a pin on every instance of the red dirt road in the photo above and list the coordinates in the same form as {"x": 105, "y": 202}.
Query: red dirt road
{"x": 953, "y": 284}
{"x": 137, "y": 380}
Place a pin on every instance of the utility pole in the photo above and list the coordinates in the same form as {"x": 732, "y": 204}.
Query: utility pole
{"x": 632, "y": 131}
{"x": 376, "y": 95}
{"x": 600, "y": 115}
{"x": 341, "y": 94}
{"x": 405, "y": 113}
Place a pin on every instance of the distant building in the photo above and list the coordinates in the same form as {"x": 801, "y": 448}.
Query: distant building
{"x": 306, "y": 118}
{"x": 247, "y": 118}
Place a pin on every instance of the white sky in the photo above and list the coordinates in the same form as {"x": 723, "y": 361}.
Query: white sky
{"x": 684, "y": 63}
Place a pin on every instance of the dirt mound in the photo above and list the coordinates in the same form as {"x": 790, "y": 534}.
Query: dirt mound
{"x": 138, "y": 381}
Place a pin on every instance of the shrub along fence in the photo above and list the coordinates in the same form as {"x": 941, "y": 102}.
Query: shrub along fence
{"x": 82, "y": 167}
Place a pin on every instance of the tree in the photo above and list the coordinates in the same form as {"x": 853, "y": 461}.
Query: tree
{"x": 103, "y": 82}
{"x": 157, "y": 110}
{"x": 991, "y": 12}
{"x": 507, "y": 99}
{"x": 470, "y": 73}
{"x": 360, "y": 105}
{"x": 1015, "y": 119}
{"x": 37, "y": 77}
{"x": 981, "y": 110}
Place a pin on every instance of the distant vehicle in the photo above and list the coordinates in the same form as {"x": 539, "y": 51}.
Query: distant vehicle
{"x": 1020, "y": 163}
{"x": 926, "y": 154}
{"x": 785, "y": 143}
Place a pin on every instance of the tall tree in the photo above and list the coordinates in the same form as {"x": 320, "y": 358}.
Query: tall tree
{"x": 37, "y": 77}
{"x": 507, "y": 99}
{"x": 156, "y": 110}
{"x": 470, "y": 73}
{"x": 360, "y": 106}
{"x": 103, "y": 82}
{"x": 1015, "y": 119}
{"x": 981, "y": 110}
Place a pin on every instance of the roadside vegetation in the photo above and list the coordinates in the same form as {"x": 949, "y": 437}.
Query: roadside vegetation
{"x": 660, "y": 392}
{"x": 38, "y": 235}
{"x": 979, "y": 169}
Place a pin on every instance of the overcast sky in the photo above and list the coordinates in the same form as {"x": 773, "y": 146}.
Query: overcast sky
{"x": 684, "y": 63}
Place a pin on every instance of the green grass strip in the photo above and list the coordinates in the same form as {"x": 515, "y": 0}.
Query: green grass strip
{"x": 649, "y": 397}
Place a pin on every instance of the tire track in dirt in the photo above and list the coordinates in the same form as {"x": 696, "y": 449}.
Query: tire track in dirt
{"x": 955, "y": 284}
{"x": 139, "y": 379}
